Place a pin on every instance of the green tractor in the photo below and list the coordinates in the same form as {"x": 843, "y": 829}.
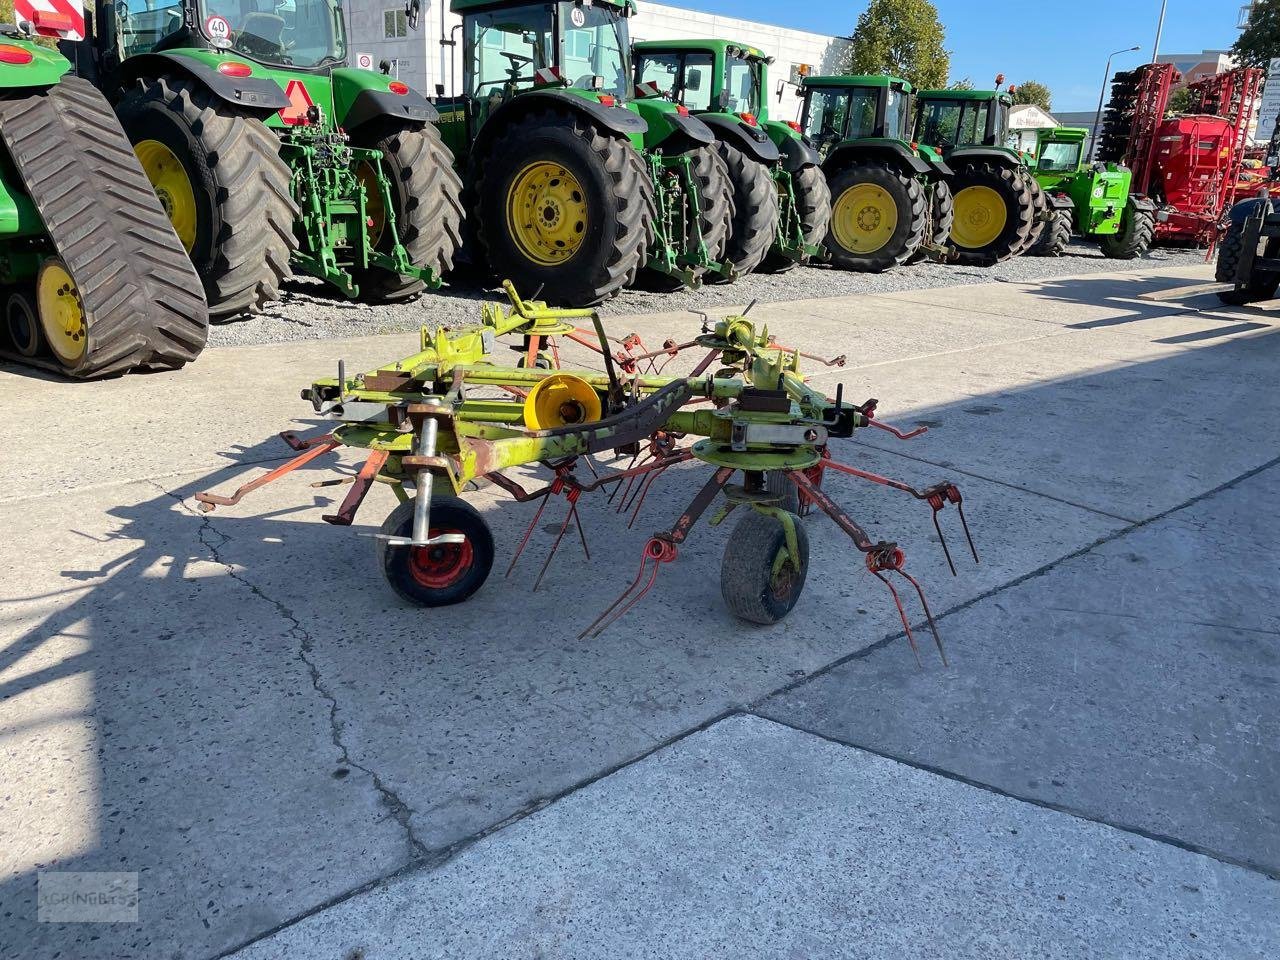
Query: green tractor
{"x": 1100, "y": 204}
{"x": 890, "y": 201}
{"x": 579, "y": 189}
{"x": 726, "y": 84}
{"x": 269, "y": 153}
{"x": 95, "y": 282}
{"x": 1000, "y": 208}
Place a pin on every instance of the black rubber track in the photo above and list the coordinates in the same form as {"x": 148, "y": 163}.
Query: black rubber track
{"x": 627, "y": 241}
{"x": 1057, "y": 234}
{"x": 1137, "y": 229}
{"x": 245, "y": 232}
{"x": 428, "y": 195}
{"x": 141, "y": 298}
{"x": 755, "y": 209}
{"x": 813, "y": 207}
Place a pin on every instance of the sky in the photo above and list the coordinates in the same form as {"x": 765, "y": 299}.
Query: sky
{"x": 1061, "y": 44}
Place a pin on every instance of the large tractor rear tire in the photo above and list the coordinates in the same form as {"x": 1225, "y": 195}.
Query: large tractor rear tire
{"x": 813, "y": 208}
{"x": 714, "y": 216}
{"x": 995, "y": 213}
{"x": 878, "y": 217}
{"x": 426, "y": 193}
{"x": 220, "y": 177}
{"x": 119, "y": 292}
{"x": 755, "y": 210}
{"x": 1261, "y": 286}
{"x": 565, "y": 209}
{"x": 1137, "y": 230}
{"x": 942, "y": 213}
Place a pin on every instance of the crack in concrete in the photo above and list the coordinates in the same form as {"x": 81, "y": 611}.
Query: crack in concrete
{"x": 400, "y": 811}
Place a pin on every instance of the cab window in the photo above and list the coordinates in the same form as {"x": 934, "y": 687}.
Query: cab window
{"x": 1057, "y": 157}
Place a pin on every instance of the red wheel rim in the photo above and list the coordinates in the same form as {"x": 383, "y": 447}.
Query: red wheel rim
{"x": 442, "y": 565}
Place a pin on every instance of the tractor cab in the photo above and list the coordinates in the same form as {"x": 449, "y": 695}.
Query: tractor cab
{"x": 1059, "y": 154}
{"x": 293, "y": 34}
{"x": 509, "y": 49}
{"x": 957, "y": 119}
{"x": 705, "y": 76}
{"x": 840, "y": 108}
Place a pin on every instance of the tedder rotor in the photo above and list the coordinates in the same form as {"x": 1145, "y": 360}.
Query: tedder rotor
{"x": 431, "y": 423}
{"x": 270, "y": 153}
{"x": 94, "y": 280}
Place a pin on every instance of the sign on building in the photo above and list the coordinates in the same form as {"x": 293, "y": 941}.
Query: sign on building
{"x": 1270, "y": 107}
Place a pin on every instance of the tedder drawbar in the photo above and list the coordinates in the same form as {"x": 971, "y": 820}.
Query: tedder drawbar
{"x": 430, "y": 422}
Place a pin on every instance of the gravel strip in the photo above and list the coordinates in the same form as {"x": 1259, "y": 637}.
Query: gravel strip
{"x": 308, "y": 312}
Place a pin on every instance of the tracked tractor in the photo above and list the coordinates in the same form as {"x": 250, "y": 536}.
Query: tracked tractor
{"x": 576, "y": 188}
{"x": 94, "y": 279}
{"x": 1000, "y": 208}
{"x": 782, "y": 206}
{"x": 270, "y": 154}
{"x": 1102, "y": 205}
{"x": 890, "y": 201}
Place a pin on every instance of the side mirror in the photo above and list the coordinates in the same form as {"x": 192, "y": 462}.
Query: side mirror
{"x": 439, "y": 89}
{"x": 725, "y": 99}
{"x": 781, "y": 84}
{"x": 693, "y": 80}
{"x": 412, "y": 9}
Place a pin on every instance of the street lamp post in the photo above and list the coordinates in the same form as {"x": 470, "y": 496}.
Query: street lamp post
{"x": 1097, "y": 117}
{"x": 1155, "y": 51}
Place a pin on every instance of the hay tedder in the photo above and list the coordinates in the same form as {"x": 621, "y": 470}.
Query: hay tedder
{"x": 432, "y": 422}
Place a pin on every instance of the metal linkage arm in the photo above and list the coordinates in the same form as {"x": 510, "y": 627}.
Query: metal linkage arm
{"x": 311, "y": 450}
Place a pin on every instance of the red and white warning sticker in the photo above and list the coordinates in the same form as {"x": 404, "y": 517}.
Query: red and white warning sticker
{"x": 52, "y": 18}
{"x": 218, "y": 30}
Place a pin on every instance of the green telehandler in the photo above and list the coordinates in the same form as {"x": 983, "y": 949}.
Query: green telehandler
{"x": 95, "y": 282}
{"x": 268, "y": 151}
{"x": 890, "y": 200}
{"x": 1100, "y": 203}
{"x": 1000, "y": 208}
{"x": 782, "y": 206}
{"x": 576, "y": 188}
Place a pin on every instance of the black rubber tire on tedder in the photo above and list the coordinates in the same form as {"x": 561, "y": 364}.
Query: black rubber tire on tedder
{"x": 813, "y": 208}
{"x": 440, "y": 575}
{"x": 618, "y": 195}
{"x": 750, "y": 588}
{"x": 245, "y": 212}
{"x": 1013, "y": 187}
{"x": 755, "y": 210}
{"x": 427, "y": 194}
{"x": 907, "y": 194}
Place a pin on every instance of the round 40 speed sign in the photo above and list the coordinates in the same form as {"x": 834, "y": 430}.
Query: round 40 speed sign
{"x": 364, "y": 61}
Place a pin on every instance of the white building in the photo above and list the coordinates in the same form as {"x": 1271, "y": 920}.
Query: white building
{"x": 379, "y": 31}
{"x": 1024, "y": 120}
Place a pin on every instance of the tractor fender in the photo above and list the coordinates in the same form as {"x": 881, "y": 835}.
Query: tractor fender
{"x": 1003, "y": 158}
{"x": 750, "y": 140}
{"x": 691, "y": 128}
{"x": 798, "y": 153}
{"x": 891, "y": 151}
{"x": 1144, "y": 204}
{"x": 250, "y": 93}
{"x": 940, "y": 167}
{"x": 411, "y": 107}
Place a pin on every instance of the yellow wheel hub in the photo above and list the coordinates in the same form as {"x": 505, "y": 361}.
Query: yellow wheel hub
{"x": 375, "y": 210}
{"x": 61, "y": 315}
{"x": 980, "y": 218}
{"x": 864, "y": 218}
{"x": 172, "y": 185}
{"x": 547, "y": 213}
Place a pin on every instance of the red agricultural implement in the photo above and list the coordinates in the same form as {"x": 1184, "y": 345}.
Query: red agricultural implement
{"x": 1189, "y": 164}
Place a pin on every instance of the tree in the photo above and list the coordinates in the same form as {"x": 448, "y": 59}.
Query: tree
{"x": 1179, "y": 100}
{"x": 902, "y": 38}
{"x": 964, "y": 83}
{"x": 1260, "y": 40}
{"x": 1035, "y": 93}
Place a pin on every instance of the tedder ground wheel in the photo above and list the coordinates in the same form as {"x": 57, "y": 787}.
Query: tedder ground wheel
{"x": 1056, "y": 236}
{"x": 715, "y": 214}
{"x": 759, "y": 579}
{"x": 219, "y": 176}
{"x": 443, "y": 574}
{"x": 427, "y": 195}
{"x": 565, "y": 208}
{"x": 1261, "y": 286}
{"x": 942, "y": 213}
{"x": 755, "y": 211}
{"x": 995, "y": 210}
{"x": 877, "y": 217}
{"x": 813, "y": 208}
{"x": 1137, "y": 229}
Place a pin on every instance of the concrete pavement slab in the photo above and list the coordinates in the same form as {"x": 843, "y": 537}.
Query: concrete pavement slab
{"x": 754, "y": 840}
{"x": 1137, "y": 683}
